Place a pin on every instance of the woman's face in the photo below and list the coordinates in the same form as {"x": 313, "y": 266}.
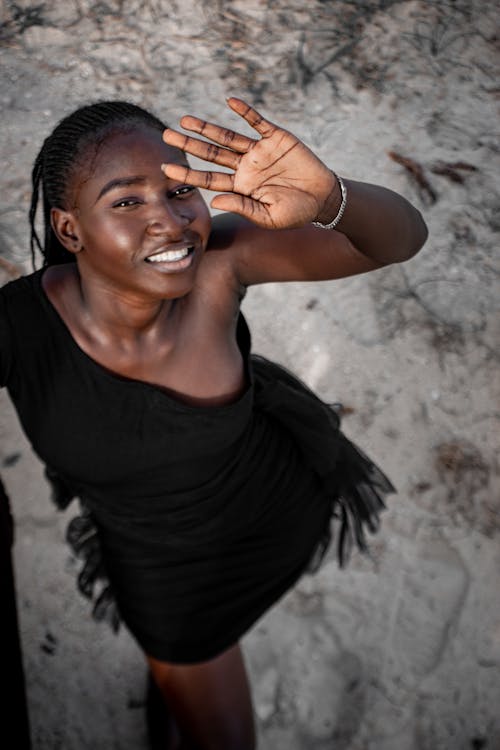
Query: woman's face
{"x": 138, "y": 231}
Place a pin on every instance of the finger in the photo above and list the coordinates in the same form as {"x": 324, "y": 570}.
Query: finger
{"x": 244, "y": 206}
{"x": 207, "y": 151}
{"x": 223, "y": 136}
{"x": 264, "y": 127}
{"x": 218, "y": 181}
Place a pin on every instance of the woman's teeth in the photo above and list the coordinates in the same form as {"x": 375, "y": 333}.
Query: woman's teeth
{"x": 169, "y": 255}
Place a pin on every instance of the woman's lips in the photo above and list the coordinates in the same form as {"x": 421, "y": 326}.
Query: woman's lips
{"x": 178, "y": 259}
{"x": 169, "y": 256}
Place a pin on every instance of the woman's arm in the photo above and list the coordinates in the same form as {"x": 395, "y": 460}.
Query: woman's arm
{"x": 380, "y": 223}
{"x": 278, "y": 184}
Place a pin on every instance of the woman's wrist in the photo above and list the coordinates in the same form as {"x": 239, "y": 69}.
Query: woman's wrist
{"x": 334, "y": 206}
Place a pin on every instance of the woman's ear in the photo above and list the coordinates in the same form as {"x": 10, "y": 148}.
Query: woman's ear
{"x": 66, "y": 229}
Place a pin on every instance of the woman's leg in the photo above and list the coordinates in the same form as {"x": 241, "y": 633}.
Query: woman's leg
{"x": 211, "y": 701}
{"x": 163, "y": 733}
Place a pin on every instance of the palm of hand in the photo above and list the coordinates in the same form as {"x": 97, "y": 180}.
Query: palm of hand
{"x": 277, "y": 182}
{"x": 281, "y": 177}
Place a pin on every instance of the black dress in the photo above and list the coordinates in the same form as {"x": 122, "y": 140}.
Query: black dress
{"x": 193, "y": 520}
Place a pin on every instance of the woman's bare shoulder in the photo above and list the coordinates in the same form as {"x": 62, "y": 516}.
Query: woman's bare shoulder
{"x": 229, "y": 231}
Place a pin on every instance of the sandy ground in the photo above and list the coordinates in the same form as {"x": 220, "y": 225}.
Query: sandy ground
{"x": 402, "y": 650}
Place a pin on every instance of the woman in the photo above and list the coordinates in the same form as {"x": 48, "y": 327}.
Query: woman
{"x": 207, "y": 477}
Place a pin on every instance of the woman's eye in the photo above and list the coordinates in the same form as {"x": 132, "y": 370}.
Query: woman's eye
{"x": 180, "y": 192}
{"x": 125, "y": 203}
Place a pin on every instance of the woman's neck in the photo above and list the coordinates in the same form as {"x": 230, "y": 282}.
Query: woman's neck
{"x": 105, "y": 313}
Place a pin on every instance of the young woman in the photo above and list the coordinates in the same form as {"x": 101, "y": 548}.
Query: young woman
{"x": 207, "y": 476}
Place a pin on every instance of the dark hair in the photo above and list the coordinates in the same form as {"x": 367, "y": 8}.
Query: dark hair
{"x": 55, "y": 165}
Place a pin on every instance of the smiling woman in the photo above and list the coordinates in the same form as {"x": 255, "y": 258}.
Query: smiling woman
{"x": 208, "y": 477}
{"x": 125, "y": 216}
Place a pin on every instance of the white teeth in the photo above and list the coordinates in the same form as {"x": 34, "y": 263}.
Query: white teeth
{"x": 169, "y": 255}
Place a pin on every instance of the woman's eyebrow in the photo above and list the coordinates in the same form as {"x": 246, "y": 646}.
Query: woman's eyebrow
{"x": 120, "y": 182}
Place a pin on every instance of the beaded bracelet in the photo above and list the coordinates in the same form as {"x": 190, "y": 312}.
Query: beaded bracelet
{"x": 336, "y": 220}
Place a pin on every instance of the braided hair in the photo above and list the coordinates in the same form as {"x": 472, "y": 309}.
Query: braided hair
{"x": 59, "y": 157}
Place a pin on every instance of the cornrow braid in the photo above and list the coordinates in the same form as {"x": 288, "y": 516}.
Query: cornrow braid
{"x": 54, "y": 167}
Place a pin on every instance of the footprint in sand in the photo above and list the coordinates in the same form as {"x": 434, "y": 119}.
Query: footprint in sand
{"x": 431, "y": 598}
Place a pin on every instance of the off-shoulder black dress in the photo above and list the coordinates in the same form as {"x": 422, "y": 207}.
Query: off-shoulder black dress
{"x": 193, "y": 520}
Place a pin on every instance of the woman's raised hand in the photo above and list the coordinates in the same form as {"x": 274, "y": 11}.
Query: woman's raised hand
{"x": 276, "y": 181}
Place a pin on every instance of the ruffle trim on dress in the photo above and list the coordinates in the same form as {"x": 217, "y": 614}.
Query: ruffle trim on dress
{"x": 362, "y": 487}
{"x": 83, "y": 540}
{"x": 355, "y": 484}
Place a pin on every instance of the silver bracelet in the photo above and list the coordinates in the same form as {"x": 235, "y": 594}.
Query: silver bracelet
{"x": 336, "y": 220}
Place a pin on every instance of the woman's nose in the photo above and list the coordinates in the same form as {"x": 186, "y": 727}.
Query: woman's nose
{"x": 166, "y": 219}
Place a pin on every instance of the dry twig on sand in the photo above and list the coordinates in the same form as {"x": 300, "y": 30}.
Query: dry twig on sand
{"x": 452, "y": 171}
{"x": 416, "y": 171}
